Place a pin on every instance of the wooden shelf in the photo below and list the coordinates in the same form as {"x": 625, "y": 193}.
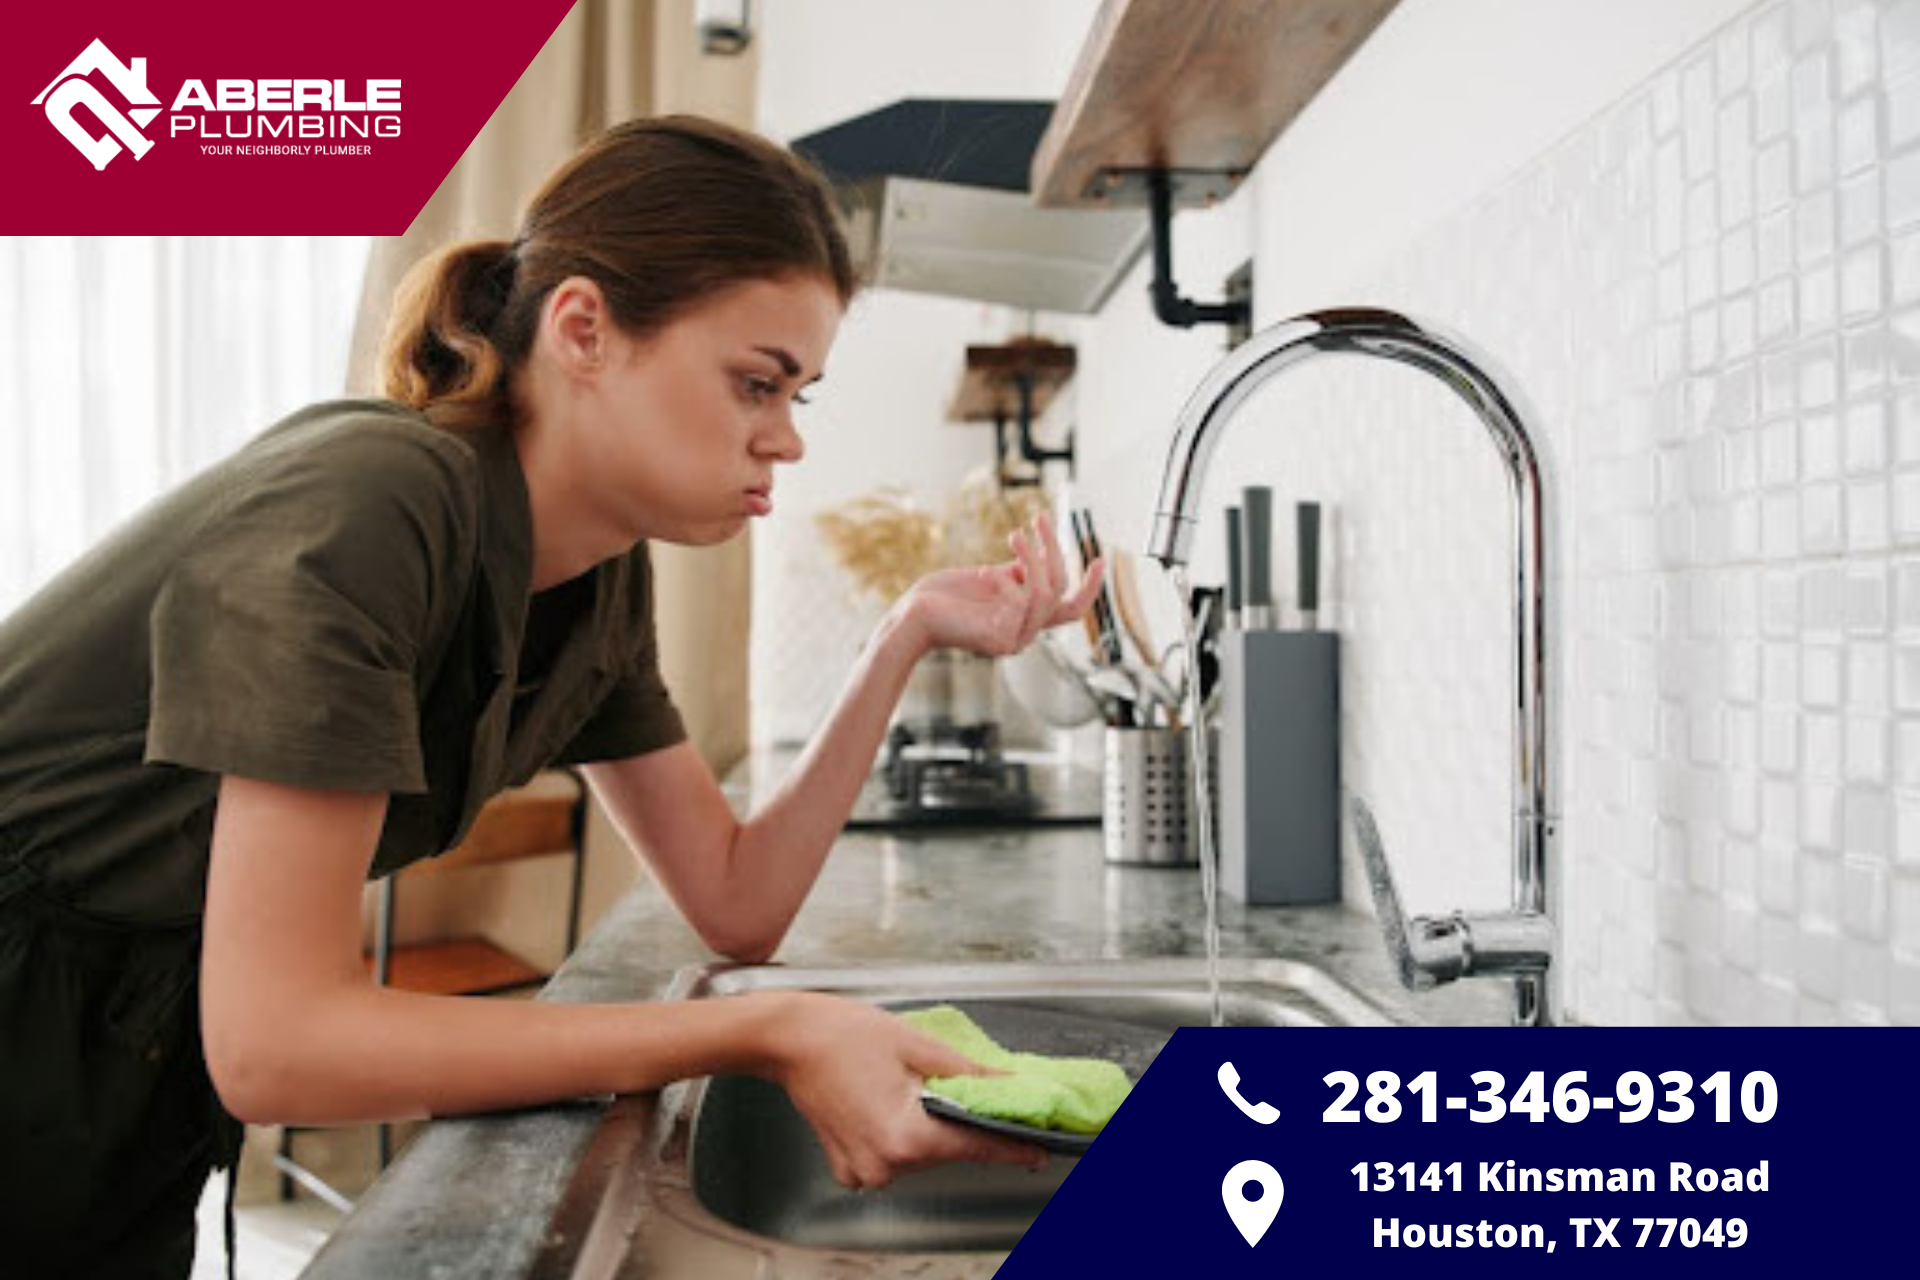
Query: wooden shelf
{"x": 458, "y": 967}
{"x": 989, "y": 388}
{"x": 539, "y": 820}
{"x": 1195, "y": 85}
{"x": 528, "y": 822}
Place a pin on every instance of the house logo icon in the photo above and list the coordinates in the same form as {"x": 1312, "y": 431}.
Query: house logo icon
{"x": 71, "y": 89}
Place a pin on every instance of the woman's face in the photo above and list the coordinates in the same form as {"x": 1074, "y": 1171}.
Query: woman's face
{"x": 680, "y": 432}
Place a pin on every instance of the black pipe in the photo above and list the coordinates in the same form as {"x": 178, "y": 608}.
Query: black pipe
{"x": 1030, "y": 449}
{"x": 1007, "y": 479}
{"x": 1182, "y": 313}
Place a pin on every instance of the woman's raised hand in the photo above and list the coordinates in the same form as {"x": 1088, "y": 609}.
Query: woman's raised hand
{"x": 855, "y": 1071}
{"x": 998, "y": 609}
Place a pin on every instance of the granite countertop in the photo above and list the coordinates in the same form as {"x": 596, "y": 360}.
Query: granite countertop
{"x": 471, "y": 1197}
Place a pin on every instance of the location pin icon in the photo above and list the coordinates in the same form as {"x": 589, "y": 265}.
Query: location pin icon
{"x": 1252, "y": 1192}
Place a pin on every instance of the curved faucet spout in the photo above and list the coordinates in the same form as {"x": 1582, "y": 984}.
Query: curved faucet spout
{"x": 1391, "y": 336}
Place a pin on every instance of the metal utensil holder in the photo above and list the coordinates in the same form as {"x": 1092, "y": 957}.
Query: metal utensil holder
{"x": 1147, "y": 814}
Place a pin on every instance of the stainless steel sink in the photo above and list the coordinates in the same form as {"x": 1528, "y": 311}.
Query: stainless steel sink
{"x": 723, "y": 1177}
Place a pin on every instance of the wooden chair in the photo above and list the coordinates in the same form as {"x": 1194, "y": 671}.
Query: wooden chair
{"x": 544, "y": 819}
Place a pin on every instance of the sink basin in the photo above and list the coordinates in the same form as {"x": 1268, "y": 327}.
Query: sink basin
{"x": 730, "y": 1162}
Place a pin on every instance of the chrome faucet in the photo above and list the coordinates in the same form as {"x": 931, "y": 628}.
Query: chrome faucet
{"x": 1519, "y": 943}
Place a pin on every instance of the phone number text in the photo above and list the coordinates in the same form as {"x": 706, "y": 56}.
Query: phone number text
{"x": 1633, "y": 1097}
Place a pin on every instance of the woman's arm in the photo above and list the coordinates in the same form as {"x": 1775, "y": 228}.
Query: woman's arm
{"x": 740, "y": 883}
{"x": 295, "y": 1030}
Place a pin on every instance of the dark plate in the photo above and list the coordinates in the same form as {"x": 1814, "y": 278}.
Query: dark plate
{"x": 1032, "y": 1026}
{"x": 1054, "y": 1140}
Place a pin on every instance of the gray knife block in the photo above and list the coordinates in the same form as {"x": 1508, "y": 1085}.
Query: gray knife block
{"x": 1280, "y": 767}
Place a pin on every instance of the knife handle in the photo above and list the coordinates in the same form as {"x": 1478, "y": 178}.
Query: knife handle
{"x": 1306, "y": 516}
{"x": 1256, "y": 502}
{"x": 1236, "y": 591}
{"x": 1089, "y": 546}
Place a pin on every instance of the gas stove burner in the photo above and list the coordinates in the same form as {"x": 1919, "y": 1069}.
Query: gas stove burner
{"x": 959, "y": 774}
{"x": 964, "y": 787}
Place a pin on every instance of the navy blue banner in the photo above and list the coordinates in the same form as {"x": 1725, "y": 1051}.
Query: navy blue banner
{"x": 1503, "y": 1152}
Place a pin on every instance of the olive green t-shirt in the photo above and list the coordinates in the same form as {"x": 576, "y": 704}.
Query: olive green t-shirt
{"x": 343, "y": 604}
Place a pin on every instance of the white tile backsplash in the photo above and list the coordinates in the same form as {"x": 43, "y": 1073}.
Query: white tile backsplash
{"x": 1707, "y": 296}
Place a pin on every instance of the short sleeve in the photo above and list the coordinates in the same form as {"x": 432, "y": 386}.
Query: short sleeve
{"x": 637, "y": 716}
{"x": 288, "y": 642}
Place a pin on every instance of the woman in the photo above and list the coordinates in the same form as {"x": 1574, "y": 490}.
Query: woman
{"x": 316, "y": 661}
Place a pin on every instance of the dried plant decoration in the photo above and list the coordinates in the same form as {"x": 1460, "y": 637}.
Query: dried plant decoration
{"x": 886, "y": 541}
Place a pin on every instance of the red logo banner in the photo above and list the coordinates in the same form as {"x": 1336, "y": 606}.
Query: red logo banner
{"x": 227, "y": 118}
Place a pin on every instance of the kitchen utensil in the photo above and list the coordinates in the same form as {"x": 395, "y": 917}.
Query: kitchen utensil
{"x": 1090, "y": 624}
{"x": 1256, "y": 533}
{"x": 1053, "y": 1140}
{"x": 1072, "y": 653}
{"x": 1043, "y": 680}
{"x": 1119, "y": 686}
{"x": 1114, "y": 696}
{"x": 1154, "y": 685}
{"x": 1236, "y": 573}
{"x": 1160, "y": 694}
{"x": 1141, "y": 689}
{"x": 1109, "y": 650}
{"x": 1088, "y": 543}
{"x": 1126, "y": 598}
{"x": 1306, "y": 519}
{"x": 1207, "y": 605}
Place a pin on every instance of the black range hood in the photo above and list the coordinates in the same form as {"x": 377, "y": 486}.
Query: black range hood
{"x": 936, "y": 197}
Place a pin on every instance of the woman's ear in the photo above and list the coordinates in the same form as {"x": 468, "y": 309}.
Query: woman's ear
{"x": 577, "y": 323}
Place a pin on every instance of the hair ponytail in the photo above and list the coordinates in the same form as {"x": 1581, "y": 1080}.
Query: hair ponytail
{"x": 440, "y": 353}
{"x": 660, "y": 213}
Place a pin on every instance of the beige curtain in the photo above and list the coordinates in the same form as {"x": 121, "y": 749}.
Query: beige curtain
{"x": 607, "y": 61}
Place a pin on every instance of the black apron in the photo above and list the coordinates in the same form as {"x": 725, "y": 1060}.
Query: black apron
{"x": 109, "y": 1125}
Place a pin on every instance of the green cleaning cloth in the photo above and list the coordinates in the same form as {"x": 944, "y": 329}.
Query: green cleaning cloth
{"x": 1074, "y": 1095}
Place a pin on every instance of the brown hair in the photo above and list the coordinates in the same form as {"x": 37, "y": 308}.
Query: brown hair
{"x": 660, "y": 213}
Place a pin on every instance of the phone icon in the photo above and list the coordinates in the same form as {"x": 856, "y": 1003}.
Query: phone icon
{"x": 1259, "y": 1112}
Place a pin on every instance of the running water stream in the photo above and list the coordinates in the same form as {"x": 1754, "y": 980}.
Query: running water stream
{"x": 1200, "y": 772}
